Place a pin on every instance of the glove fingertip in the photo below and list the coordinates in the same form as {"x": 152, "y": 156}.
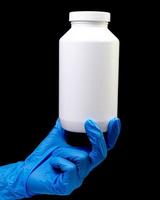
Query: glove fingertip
{"x": 91, "y": 124}
{"x": 58, "y": 125}
{"x": 115, "y": 124}
{"x": 114, "y": 128}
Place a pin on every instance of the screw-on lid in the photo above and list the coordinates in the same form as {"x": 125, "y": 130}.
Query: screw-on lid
{"x": 89, "y": 16}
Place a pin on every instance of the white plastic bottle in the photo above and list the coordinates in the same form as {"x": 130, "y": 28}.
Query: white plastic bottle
{"x": 88, "y": 71}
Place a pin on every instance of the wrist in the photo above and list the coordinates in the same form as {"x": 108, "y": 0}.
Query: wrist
{"x": 13, "y": 182}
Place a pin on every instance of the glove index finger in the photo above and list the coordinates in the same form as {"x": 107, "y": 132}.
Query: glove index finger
{"x": 99, "y": 148}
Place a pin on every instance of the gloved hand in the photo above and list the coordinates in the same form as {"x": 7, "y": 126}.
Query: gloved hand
{"x": 55, "y": 167}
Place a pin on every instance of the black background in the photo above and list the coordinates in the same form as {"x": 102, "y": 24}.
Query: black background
{"x": 29, "y": 90}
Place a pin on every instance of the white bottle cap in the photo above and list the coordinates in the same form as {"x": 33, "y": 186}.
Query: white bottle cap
{"x": 89, "y": 16}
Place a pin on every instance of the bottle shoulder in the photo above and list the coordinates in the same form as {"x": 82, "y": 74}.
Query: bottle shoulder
{"x": 89, "y": 34}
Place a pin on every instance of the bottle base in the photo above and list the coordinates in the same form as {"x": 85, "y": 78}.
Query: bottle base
{"x": 78, "y": 127}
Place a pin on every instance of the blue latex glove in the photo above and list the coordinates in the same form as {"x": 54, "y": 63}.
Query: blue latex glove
{"x": 56, "y": 167}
